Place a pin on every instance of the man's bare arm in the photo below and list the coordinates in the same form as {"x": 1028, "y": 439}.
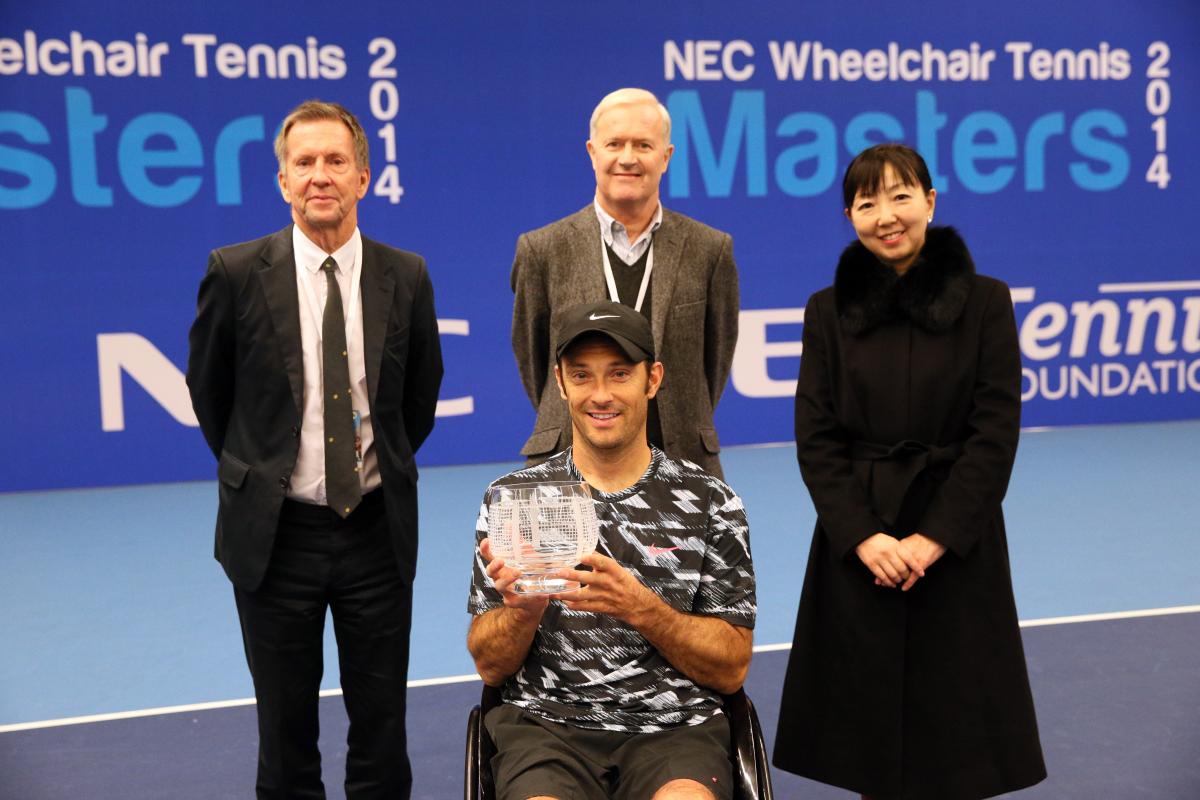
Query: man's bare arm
{"x": 709, "y": 650}
{"x": 499, "y": 640}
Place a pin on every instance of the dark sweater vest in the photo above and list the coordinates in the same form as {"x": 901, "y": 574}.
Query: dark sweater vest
{"x": 628, "y": 278}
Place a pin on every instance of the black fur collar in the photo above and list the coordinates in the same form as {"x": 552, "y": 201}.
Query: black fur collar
{"x": 931, "y": 293}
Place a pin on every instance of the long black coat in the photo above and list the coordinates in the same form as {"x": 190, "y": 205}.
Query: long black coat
{"x": 921, "y": 694}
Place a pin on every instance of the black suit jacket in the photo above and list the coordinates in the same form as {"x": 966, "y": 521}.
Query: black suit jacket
{"x": 245, "y": 375}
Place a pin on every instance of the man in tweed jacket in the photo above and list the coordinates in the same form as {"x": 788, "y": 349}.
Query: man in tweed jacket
{"x": 625, "y": 246}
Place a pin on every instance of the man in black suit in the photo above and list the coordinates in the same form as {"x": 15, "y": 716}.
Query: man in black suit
{"x": 314, "y": 369}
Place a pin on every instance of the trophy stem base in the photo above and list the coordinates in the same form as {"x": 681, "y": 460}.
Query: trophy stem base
{"x": 544, "y": 584}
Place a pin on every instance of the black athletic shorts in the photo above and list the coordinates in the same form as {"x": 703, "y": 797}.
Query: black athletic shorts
{"x": 538, "y": 757}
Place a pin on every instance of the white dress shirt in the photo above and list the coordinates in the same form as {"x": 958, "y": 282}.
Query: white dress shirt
{"x": 616, "y": 236}
{"x": 308, "y": 478}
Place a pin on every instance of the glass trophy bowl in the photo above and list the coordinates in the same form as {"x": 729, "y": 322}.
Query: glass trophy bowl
{"x": 541, "y": 528}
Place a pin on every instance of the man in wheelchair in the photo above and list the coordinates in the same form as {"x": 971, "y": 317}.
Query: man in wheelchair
{"x": 613, "y": 691}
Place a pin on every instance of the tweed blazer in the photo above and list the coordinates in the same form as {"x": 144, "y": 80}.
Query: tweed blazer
{"x": 694, "y": 316}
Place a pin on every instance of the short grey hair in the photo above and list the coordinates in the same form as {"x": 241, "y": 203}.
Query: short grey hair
{"x": 626, "y": 97}
{"x": 314, "y": 110}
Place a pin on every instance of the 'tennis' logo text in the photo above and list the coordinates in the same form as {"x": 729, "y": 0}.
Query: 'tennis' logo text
{"x": 1099, "y": 348}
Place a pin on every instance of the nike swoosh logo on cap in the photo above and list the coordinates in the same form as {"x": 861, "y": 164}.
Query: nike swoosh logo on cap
{"x": 593, "y": 316}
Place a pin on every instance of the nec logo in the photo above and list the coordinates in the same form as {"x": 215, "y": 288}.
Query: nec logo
{"x": 136, "y": 356}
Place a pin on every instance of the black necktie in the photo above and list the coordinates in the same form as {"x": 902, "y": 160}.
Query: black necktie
{"x": 342, "y": 489}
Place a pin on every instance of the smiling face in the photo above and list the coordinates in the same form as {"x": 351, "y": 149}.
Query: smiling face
{"x": 607, "y": 394}
{"x": 322, "y": 180}
{"x": 891, "y": 220}
{"x": 630, "y": 153}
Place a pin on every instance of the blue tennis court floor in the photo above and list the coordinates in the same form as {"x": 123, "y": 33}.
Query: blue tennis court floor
{"x": 112, "y": 604}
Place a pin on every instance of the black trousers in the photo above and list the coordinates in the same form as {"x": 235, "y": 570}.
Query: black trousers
{"x": 321, "y": 562}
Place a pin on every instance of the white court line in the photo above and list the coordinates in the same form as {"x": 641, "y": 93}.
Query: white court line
{"x": 762, "y": 648}
{"x": 1147, "y": 612}
{"x": 441, "y": 681}
{"x": 1037, "y": 623}
{"x": 1149, "y": 286}
{"x": 244, "y": 701}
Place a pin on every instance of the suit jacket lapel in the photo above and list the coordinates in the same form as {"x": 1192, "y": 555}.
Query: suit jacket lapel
{"x": 377, "y": 288}
{"x": 278, "y": 279}
{"x": 585, "y": 261}
{"x": 668, "y": 248}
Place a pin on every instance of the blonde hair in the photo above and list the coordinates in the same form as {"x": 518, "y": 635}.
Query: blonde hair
{"x": 627, "y": 97}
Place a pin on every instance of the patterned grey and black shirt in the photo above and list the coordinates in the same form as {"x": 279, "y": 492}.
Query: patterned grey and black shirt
{"x": 683, "y": 534}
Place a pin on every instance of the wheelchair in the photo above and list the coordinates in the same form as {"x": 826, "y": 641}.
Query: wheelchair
{"x": 751, "y": 768}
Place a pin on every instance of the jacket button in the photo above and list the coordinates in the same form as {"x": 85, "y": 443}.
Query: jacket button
{"x": 283, "y": 482}
{"x": 295, "y": 431}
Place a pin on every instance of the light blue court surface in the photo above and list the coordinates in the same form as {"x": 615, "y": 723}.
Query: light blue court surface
{"x": 110, "y": 599}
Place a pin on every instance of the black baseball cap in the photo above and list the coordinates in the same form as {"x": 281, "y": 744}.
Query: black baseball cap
{"x": 628, "y": 328}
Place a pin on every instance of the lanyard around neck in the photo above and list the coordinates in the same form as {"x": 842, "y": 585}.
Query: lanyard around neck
{"x": 612, "y": 282}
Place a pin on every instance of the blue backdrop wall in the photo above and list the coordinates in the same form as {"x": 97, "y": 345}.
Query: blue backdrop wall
{"x": 137, "y": 137}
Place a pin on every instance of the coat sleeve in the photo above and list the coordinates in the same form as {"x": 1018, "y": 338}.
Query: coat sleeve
{"x": 823, "y": 444}
{"x": 210, "y": 368}
{"x": 969, "y": 499}
{"x": 531, "y": 320}
{"x": 721, "y": 320}
{"x": 424, "y": 363}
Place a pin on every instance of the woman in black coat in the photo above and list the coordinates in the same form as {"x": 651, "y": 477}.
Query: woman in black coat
{"x": 907, "y": 676}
